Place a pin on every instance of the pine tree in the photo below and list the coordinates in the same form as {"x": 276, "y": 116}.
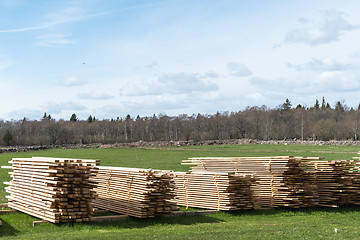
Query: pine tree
{"x": 317, "y": 105}
{"x": 286, "y": 105}
{"x": 90, "y": 119}
{"x": 339, "y": 106}
{"x": 73, "y": 118}
{"x": 323, "y": 104}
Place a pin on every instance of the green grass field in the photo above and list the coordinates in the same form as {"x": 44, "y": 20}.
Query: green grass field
{"x": 311, "y": 223}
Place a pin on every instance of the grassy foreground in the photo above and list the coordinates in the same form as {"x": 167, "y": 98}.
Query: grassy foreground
{"x": 312, "y": 223}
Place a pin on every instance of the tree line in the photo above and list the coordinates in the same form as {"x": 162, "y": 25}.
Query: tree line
{"x": 318, "y": 122}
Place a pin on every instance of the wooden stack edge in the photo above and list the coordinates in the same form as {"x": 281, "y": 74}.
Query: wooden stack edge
{"x": 135, "y": 192}
{"x": 277, "y": 177}
{"x": 53, "y": 189}
{"x": 285, "y": 181}
{"x": 213, "y": 190}
{"x": 338, "y": 182}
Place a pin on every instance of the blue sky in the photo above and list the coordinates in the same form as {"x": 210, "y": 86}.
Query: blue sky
{"x": 113, "y": 58}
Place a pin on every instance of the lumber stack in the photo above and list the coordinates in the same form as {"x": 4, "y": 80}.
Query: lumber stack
{"x": 279, "y": 180}
{"x": 53, "y": 189}
{"x": 338, "y": 182}
{"x": 352, "y": 171}
{"x": 213, "y": 190}
{"x": 328, "y": 176}
{"x": 135, "y": 192}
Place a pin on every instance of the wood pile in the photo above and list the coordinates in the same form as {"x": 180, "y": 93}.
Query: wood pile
{"x": 135, "y": 192}
{"x": 327, "y": 177}
{"x": 53, "y": 189}
{"x": 338, "y": 182}
{"x": 279, "y": 181}
{"x": 352, "y": 173}
{"x": 213, "y": 190}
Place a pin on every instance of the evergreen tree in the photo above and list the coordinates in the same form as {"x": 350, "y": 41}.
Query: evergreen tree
{"x": 323, "y": 104}
{"x": 286, "y": 105}
{"x": 317, "y": 105}
{"x": 90, "y": 119}
{"x": 73, "y": 118}
{"x": 339, "y": 106}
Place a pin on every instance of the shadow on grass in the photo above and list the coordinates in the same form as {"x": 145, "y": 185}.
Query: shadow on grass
{"x": 7, "y": 230}
{"x": 308, "y": 210}
{"x": 142, "y": 223}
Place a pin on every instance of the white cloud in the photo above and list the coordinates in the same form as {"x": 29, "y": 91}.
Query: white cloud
{"x": 338, "y": 81}
{"x": 144, "y": 106}
{"x": 25, "y": 113}
{"x": 255, "y": 96}
{"x": 141, "y": 87}
{"x": 316, "y": 32}
{"x": 153, "y": 64}
{"x": 58, "y": 107}
{"x": 50, "y": 40}
{"x": 320, "y": 65}
{"x": 238, "y": 69}
{"x": 279, "y": 84}
{"x": 355, "y": 55}
{"x": 328, "y": 81}
{"x": 179, "y": 83}
{"x": 95, "y": 95}
{"x": 73, "y": 81}
{"x": 210, "y": 74}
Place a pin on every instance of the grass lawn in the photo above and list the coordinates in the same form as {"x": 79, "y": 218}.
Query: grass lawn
{"x": 312, "y": 223}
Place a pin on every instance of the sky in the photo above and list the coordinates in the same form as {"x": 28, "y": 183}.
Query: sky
{"x": 117, "y": 57}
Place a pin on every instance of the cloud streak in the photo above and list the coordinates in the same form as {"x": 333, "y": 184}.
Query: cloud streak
{"x": 51, "y": 40}
{"x": 172, "y": 83}
{"x": 238, "y": 70}
{"x": 328, "y": 81}
{"x": 73, "y": 81}
{"x": 67, "y": 15}
{"x": 313, "y": 33}
{"x": 58, "y": 107}
{"x": 95, "y": 95}
{"x": 321, "y": 65}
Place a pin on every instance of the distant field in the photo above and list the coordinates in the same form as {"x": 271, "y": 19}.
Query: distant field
{"x": 313, "y": 223}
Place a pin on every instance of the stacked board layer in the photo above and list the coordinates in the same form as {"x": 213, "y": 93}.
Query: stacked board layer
{"x": 53, "y": 189}
{"x": 135, "y": 192}
{"x": 279, "y": 181}
{"x": 337, "y": 181}
{"x": 213, "y": 190}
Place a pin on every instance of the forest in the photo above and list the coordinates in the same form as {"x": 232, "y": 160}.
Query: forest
{"x": 318, "y": 122}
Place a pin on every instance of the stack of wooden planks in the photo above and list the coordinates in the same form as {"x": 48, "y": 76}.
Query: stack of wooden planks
{"x": 352, "y": 177}
{"x": 279, "y": 182}
{"x": 135, "y": 192}
{"x": 53, "y": 189}
{"x": 213, "y": 190}
{"x": 337, "y": 181}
